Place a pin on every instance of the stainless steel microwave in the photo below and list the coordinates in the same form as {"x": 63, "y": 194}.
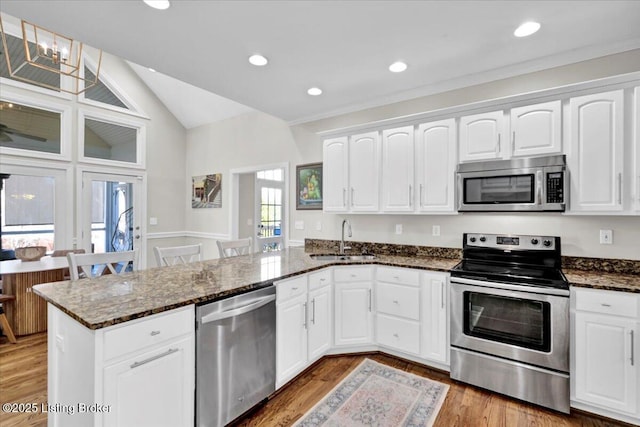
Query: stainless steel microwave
{"x": 527, "y": 184}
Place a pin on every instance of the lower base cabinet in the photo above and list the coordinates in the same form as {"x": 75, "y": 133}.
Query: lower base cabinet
{"x": 138, "y": 373}
{"x": 353, "y": 306}
{"x": 605, "y": 375}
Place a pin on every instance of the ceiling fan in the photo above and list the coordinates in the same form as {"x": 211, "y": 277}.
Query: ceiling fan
{"x": 5, "y": 131}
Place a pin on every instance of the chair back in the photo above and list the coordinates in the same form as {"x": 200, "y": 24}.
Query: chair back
{"x": 178, "y": 255}
{"x": 66, "y": 274}
{"x": 229, "y": 248}
{"x": 94, "y": 265}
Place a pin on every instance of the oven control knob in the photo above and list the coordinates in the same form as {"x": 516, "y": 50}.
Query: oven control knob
{"x": 483, "y": 239}
{"x": 472, "y": 239}
{"x": 547, "y": 243}
{"x": 534, "y": 241}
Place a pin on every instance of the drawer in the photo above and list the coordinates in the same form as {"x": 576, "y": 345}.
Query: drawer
{"x": 607, "y": 302}
{"x": 403, "y": 335}
{"x": 398, "y": 275}
{"x": 131, "y": 337}
{"x": 353, "y": 274}
{"x": 398, "y": 300}
{"x": 319, "y": 279}
{"x": 289, "y": 288}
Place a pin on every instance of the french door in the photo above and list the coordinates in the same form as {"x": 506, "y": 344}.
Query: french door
{"x": 112, "y": 212}
{"x": 270, "y": 205}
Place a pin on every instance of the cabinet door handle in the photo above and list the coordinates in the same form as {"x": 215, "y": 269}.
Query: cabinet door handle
{"x": 154, "y": 333}
{"x": 513, "y": 142}
{"x": 352, "y": 192}
{"x": 620, "y": 189}
{"x": 304, "y": 315}
{"x": 410, "y": 195}
{"x": 369, "y": 300}
{"x": 344, "y": 197}
{"x": 313, "y": 311}
{"x": 421, "y": 194}
{"x": 442, "y": 294}
{"x": 498, "y": 146}
{"x": 156, "y": 357}
{"x": 605, "y": 305}
{"x": 632, "y": 350}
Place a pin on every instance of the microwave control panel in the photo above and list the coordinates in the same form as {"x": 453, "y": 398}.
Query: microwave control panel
{"x": 555, "y": 187}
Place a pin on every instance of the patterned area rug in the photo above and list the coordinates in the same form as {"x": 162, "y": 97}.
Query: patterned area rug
{"x": 377, "y": 395}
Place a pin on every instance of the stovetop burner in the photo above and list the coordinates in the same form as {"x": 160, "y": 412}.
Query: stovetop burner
{"x": 518, "y": 259}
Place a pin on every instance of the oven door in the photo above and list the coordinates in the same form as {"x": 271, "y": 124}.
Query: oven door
{"x": 514, "y": 324}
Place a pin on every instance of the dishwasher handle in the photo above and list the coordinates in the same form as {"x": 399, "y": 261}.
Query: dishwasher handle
{"x": 238, "y": 311}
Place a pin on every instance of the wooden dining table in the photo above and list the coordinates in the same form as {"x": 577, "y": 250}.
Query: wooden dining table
{"x": 27, "y": 314}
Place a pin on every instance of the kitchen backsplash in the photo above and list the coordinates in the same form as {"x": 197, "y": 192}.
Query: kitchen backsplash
{"x": 606, "y": 265}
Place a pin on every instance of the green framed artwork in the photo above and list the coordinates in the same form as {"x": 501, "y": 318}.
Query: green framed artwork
{"x": 309, "y": 186}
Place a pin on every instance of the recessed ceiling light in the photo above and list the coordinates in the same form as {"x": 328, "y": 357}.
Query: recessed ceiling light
{"x": 526, "y": 29}
{"x": 258, "y": 60}
{"x": 158, "y": 4}
{"x": 314, "y": 91}
{"x": 397, "y": 67}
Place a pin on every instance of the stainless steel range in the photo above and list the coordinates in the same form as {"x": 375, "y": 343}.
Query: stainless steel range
{"x": 510, "y": 318}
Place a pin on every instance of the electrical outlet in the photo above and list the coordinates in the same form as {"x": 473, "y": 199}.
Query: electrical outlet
{"x": 318, "y": 225}
{"x": 398, "y": 228}
{"x": 435, "y": 230}
{"x": 299, "y": 225}
{"x": 153, "y": 221}
{"x": 606, "y": 237}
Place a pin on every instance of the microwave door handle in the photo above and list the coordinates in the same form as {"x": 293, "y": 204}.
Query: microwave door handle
{"x": 539, "y": 177}
{"x": 460, "y": 188}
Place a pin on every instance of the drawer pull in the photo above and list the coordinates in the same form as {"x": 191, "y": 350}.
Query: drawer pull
{"x": 322, "y": 279}
{"x": 395, "y": 301}
{"x": 294, "y": 289}
{"x": 154, "y": 333}
{"x": 396, "y": 277}
{"x": 396, "y": 335}
{"x": 606, "y": 305}
{"x": 156, "y": 357}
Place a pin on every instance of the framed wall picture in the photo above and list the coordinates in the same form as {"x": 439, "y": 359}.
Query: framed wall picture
{"x": 206, "y": 191}
{"x": 309, "y": 186}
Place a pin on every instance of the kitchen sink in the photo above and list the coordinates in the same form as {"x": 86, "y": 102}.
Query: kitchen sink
{"x": 338, "y": 257}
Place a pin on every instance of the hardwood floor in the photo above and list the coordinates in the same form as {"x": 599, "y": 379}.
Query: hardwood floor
{"x": 23, "y": 378}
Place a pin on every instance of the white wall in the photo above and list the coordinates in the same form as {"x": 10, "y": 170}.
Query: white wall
{"x": 256, "y": 138}
{"x": 246, "y": 205}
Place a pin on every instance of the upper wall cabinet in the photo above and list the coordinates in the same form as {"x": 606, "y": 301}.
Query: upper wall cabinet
{"x": 536, "y": 129}
{"x": 436, "y": 165}
{"x": 596, "y": 158}
{"x": 397, "y": 169}
{"x": 481, "y": 136}
{"x": 364, "y": 155}
{"x": 335, "y": 176}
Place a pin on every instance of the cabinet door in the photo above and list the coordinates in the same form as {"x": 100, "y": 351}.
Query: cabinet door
{"x": 481, "y": 136}
{"x": 335, "y": 175}
{"x": 364, "y": 171}
{"x": 435, "y": 318}
{"x": 397, "y": 170}
{"x": 320, "y": 322}
{"x": 605, "y": 372}
{"x": 155, "y": 388}
{"x": 436, "y": 158}
{"x": 597, "y": 143}
{"x": 291, "y": 338}
{"x": 353, "y": 317}
{"x": 536, "y": 129}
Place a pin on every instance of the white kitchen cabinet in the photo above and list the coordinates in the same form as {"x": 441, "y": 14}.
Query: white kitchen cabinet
{"x": 335, "y": 176}
{"x": 536, "y": 129}
{"x": 436, "y": 159}
{"x": 397, "y": 296}
{"x": 364, "y": 172}
{"x": 596, "y": 155}
{"x": 114, "y": 367}
{"x": 397, "y": 169}
{"x": 435, "y": 311}
{"x": 482, "y": 137}
{"x": 635, "y": 141}
{"x": 320, "y": 321}
{"x": 605, "y": 374}
{"x": 304, "y": 320}
{"x": 167, "y": 403}
{"x": 353, "y": 305}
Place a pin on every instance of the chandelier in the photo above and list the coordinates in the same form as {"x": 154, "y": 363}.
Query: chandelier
{"x": 45, "y": 54}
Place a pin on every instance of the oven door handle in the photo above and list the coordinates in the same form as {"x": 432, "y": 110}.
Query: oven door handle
{"x": 510, "y": 287}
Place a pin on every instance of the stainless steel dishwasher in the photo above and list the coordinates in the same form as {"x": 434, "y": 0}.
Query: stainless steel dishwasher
{"x": 235, "y": 355}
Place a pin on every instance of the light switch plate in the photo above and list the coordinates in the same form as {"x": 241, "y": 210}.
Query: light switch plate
{"x": 299, "y": 225}
{"x": 153, "y": 221}
{"x": 318, "y": 225}
{"x": 435, "y": 230}
{"x": 398, "y": 228}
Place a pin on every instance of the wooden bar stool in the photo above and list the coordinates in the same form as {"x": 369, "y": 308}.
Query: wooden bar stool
{"x": 4, "y": 323}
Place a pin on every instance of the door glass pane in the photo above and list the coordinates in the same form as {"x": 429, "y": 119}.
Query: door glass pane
{"x": 111, "y": 216}
{"x": 522, "y": 322}
{"x": 271, "y": 212}
{"x": 29, "y": 128}
{"x": 27, "y": 204}
{"x": 109, "y": 141}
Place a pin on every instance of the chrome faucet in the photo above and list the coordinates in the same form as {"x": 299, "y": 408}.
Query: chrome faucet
{"x": 342, "y": 246}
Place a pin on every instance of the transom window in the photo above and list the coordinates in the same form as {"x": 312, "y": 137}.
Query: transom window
{"x": 29, "y": 128}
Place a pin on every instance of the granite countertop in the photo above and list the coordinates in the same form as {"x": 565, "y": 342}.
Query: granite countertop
{"x": 108, "y": 300}
{"x": 603, "y": 280}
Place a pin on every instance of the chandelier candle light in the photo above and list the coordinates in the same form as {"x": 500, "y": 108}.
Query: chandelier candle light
{"x": 51, "y": 52}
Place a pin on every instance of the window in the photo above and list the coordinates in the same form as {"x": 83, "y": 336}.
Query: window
{"x": 16, "y": 49}
{"x": 28, "y": 214}
{"x": 100, "y": 92}
{"x": 271, "y": 175}
{"x": 29, "y": 128}
{"x": 110, "y": 141}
